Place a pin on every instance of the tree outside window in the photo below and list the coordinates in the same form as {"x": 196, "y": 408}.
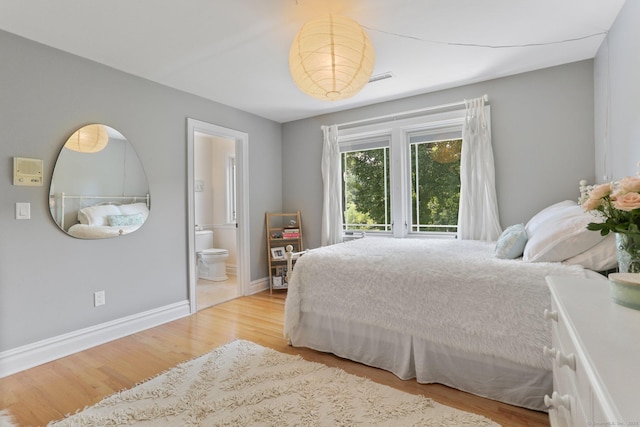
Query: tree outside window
{"x": 366, "y": 200}
{"x": 402, "y": 177}
{"x": 435, "y": 185}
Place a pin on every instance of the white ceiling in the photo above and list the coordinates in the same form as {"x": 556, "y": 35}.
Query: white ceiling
{"x": 236, "y": 51}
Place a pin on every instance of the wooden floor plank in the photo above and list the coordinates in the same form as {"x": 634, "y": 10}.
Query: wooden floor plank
{"x": 48, "y": 392}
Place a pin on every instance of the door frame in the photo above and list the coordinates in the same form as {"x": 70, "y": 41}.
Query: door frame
{"x": 242, "y": 204}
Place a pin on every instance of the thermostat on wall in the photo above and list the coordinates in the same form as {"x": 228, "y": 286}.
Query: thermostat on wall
{"x": 27, "y": 171}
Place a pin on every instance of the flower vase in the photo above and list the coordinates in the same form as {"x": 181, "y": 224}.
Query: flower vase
{"x": 625, "y": 285}
{"x": 628, "y": 248}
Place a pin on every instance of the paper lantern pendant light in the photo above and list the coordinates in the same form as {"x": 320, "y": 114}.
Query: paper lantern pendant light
{"x": 446, "y": 151}
{"x": 88, "y": 139}
{"x": 331, "y": 58}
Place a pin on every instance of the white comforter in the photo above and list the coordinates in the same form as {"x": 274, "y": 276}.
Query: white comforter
{"x": 84, "y": 231}
{"x": 449, "y": 292}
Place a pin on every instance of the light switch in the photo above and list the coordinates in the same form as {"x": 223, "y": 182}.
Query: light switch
{"x": 23, "y": 210}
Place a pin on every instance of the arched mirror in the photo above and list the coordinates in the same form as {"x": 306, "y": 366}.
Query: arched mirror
{"x": 99, "y": 188}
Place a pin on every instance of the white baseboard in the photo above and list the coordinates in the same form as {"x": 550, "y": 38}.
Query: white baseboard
{"x": 258, "y": 286}
{"x": 30, "y": 355}
{"x": 231, "y": 269}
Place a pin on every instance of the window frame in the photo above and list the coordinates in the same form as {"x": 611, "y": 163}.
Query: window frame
{"x": 350, "y": 145}
{"x": 398, "y": 131}
{"x": 230, "y": 193}
{"x": 442, "y": 132}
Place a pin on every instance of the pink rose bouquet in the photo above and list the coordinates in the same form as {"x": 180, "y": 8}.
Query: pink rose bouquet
{"x": 618, "y": 204}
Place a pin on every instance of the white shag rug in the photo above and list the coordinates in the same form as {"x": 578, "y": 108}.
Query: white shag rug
{"x": 6, "y": 420}
{"x": 244, "y": 384}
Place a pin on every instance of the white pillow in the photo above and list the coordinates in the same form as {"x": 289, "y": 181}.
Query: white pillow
{"x": 511, "y": 242}
{"x": 135, "y": 208}
{"x": 97, "y": 215}
{"x": 561, "y": 236}
{"x": 601, "y": 257}
{"x": 547, "y": 213}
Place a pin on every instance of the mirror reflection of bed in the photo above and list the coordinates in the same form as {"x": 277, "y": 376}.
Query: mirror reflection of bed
{"x": 105, "y": 216}
{"x": 98, "y": 188}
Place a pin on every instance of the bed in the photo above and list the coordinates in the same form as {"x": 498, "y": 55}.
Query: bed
{"x": 466, "y": 314}
{"x": 109, "y": 219}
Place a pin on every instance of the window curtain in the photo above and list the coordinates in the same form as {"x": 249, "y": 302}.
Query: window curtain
{"x": 478, "y": 217}
{"x": 332, "y": 190}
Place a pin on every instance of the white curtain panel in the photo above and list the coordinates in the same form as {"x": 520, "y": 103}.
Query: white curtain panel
{"x": 332, "y": 190}
{"x": 478, "y": 217}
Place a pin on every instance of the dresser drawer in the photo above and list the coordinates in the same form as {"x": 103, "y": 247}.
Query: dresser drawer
{"x": 603, "y": 337}
{"x": 569, "y": 377}
{"x": 563, "y": 387}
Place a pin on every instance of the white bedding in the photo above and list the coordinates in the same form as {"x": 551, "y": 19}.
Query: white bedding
{"x": 442, "y": 294}
{"x": 100, "y": 231}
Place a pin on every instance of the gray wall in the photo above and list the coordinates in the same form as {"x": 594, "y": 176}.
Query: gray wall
{"x": 47, "y": 278}
{"x": 542, "y": 126}
{"x": 617, "y": 88}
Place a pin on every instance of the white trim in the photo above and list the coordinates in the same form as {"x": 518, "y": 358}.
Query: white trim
{"x": 407, "y": 114}
{"x": 214, "y": 227}
{"x": 230, "y": 186}
{"x": 242, "y": 200}
{"x": 30, "y": 355}
{"x": 258, "y": 286}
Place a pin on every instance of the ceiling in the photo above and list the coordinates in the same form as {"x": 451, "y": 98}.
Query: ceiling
{"x": 236, "y": 51}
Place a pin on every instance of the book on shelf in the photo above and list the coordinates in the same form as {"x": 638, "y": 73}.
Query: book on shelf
{"x": 290, "y": 235}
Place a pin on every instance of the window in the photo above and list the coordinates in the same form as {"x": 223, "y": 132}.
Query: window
{"x": 403, "y": 178}
{"x": 435, "y": 180}
{"x": 365, "y": 186}
{"x": 231, "y": 190}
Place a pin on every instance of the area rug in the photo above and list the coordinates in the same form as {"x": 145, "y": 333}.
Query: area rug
{"x": 6, "y": 420}
{"x": 244, "y": 384}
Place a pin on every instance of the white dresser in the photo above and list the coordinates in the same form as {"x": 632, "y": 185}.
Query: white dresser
{"x": 596, "y": 352}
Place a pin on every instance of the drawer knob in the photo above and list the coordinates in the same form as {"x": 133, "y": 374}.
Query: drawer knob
{"x": 557, "y": 401}
{"x": 550, "y": 315}
{"x": 549, "y": 352}
{"x": 566, "y": 360}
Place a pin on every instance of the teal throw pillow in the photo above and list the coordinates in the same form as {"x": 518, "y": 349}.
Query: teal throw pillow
{"x": 511, "y": 242}
{"x": 122, "y": 220}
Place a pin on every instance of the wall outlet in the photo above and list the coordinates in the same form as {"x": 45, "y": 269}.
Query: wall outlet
{"x": 98, "y": 298}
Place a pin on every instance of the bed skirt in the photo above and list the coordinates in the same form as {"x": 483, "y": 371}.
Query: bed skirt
{"x": 410, "y": 357}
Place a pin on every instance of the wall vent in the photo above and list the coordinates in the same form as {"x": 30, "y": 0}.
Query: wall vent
{"x": 381, "y": 76}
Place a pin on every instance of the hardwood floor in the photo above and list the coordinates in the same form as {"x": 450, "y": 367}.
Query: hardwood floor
{"x": 48, "y": 392}
{"x": 213, "y": 293}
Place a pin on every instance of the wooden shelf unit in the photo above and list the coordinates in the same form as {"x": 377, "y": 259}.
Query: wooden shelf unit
{"x": 281, "y": 232}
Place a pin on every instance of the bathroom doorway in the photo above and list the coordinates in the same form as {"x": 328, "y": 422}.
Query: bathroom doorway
{"x": 217, "y": 159}
{"x": 215, "y": 210}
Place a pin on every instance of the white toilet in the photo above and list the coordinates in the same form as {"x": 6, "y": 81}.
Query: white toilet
{"x": 211, "y": 261}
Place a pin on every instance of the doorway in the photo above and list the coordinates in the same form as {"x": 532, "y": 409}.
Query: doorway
{"x": 217, "y": 205}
